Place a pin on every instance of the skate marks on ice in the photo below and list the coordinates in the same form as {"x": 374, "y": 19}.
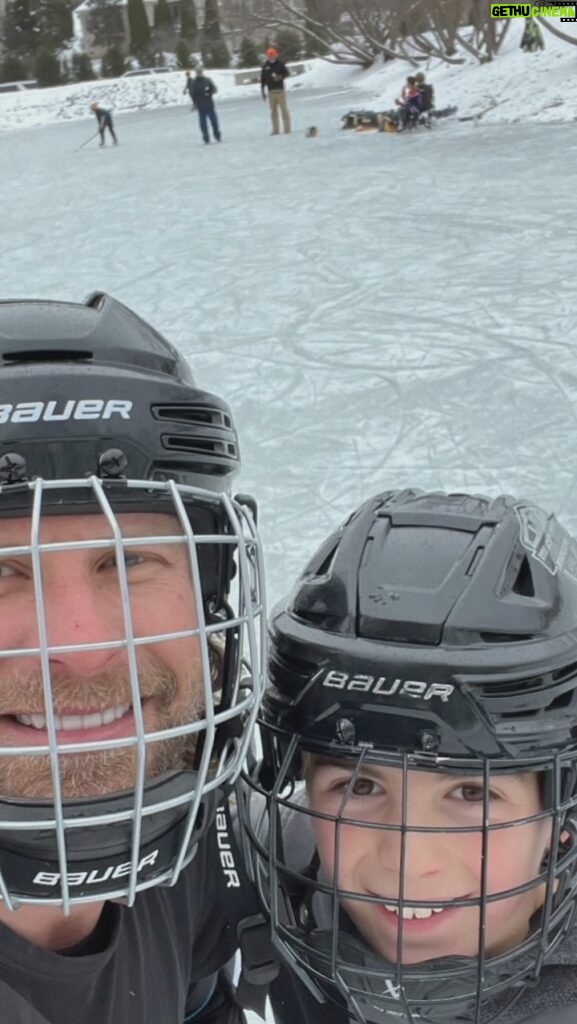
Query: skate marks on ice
{"x": 379, "y": 312}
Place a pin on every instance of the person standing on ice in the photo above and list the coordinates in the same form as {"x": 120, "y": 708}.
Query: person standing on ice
{"x": 189, "y": 87}
{"x": 104, "y": 118}
{"x": 272, "y": 78}
{"x": 201, "y": 93}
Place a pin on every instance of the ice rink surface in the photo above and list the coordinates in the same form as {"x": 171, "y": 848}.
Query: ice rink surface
{"x": 379, "y": 310}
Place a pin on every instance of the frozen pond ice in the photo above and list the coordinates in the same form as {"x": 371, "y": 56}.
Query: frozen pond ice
{"x": 379, "y": 310}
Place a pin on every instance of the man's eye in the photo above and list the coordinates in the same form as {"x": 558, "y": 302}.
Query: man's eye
{"x": 6, "y": 571}
{"x": 130, "y": 559}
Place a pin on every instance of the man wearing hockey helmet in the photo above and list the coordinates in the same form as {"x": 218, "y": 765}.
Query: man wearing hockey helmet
{"x": 412, "y": 821}
{"x": 130, "y": 621}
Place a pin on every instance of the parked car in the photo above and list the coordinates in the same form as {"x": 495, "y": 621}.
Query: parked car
{"x": 146, "y": 71}
{"x": 30, "y": 83}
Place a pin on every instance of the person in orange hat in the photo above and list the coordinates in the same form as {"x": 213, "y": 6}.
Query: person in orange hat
{"x": 273, "y": 74}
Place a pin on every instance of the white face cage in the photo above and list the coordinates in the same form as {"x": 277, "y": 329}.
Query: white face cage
{"x": 60, "y": 849}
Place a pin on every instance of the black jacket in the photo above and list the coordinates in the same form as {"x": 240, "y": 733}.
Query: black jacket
{"x": 203, "y": 89}
{"x": 273, "y": 75}
{"x": 427, "y": 97}
{"x": 162, "y": 960}
{"x": 552, "y": 1001}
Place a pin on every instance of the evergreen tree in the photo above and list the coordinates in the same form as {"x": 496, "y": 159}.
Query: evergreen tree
{"x": 12, "y": 69}
{"x": 248, "y": 54}
{"x": 106, "y": 24}
{"x": 188, "y": 22}
{"x": 20, "y": 30}
{"x": 139, "y": 27}
{"x": 211, "y": 28}
{"x": 216, "y": 55}
{"x": 316, "y": 9}
{"x": 150, "y": 59}
{"x": 289, "y": 44}
{"x": 182, "y": 54}
{"x": 162, "y": 17}
{"x": 46, "y": 67}
{"x": 82, "y": 67}
{"x": 55, "y": 22}
{"x": 113, "y": 63}
{"x": 163, "y": 34}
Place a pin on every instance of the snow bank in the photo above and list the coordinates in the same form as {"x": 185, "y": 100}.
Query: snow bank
{"x": 516, "y": 86}
{"x": 72, "y": 102}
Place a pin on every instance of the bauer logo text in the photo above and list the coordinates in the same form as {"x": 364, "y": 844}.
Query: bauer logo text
{"x": 385, "y": 686}
{"x": 59, "y": 411}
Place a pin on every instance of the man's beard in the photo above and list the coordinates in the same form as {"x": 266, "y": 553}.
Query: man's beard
{"x": 112, "y": 770}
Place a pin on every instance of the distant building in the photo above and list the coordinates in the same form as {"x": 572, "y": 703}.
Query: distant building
{"x": 88, "y": 12}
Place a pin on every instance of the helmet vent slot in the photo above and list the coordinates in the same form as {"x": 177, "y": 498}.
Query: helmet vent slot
{"x": 192, "y": 414}
{"x": 52, "y": 355}
{"x": 179, "y": 443}
{"x": 563, "y": 700}
{"x": 515, "y": 688}
{"x": 505, "y": 638}
{"x": 565, "y": 673}
{"x": 524, "y": 582}
{"x": 325, "y": 568}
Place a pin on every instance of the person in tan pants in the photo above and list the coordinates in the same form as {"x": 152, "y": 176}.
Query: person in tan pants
{"x": 273, "y": 74}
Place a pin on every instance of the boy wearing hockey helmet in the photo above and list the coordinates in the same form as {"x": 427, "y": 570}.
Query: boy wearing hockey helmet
{"x": 412, "y": 820}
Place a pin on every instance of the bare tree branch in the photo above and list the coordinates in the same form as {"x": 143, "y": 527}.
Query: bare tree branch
{"x": 406, "y": 30}
{"x": 556, "y": 31}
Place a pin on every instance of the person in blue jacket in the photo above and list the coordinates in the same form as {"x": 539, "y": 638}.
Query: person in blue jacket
{"x": 202, "y": 93}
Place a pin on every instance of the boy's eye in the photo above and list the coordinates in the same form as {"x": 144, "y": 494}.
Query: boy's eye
{"x": 364, "y": 787}
{"x": 360, "y": 787}
{"x": 472, "y": 793}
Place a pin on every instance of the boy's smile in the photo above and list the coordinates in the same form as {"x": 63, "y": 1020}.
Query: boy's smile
{"x": 433, "y": 859}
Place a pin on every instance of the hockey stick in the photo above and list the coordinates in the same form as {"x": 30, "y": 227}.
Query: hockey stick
{"x": 87, "y": 141}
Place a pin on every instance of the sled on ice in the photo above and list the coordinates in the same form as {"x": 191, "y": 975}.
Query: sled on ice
{"x": 390, "y": 120}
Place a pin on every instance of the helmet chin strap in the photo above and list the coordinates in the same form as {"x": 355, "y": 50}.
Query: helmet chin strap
{"x": 377, "y": 990}
{"x": 100, "y": 861}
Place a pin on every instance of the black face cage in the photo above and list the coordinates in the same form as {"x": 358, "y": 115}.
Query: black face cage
{"x": 62, "y": 850}
{"x": 317, "y": 938}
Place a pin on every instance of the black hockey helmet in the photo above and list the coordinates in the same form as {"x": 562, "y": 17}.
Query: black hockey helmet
{"x": 91, "y": 388}
{"x": 430, "y": 632}
{"x": 100, "y": 414}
